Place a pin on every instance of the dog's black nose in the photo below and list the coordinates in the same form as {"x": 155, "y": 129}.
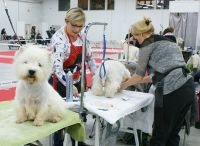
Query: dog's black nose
{"x": 31, "y": 72}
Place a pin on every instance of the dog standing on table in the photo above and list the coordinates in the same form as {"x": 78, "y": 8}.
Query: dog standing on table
{"x": 35, "y": 99}
{"x": 116, "y": 73}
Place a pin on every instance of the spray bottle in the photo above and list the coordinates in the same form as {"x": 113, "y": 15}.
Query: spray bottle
{"x": 69, "y": 87}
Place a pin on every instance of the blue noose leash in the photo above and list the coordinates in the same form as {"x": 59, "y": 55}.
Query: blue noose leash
{"x": 102, "y": 71}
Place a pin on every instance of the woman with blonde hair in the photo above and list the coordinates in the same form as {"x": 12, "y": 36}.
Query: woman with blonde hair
{"x": 67, "y": 43}
{"x": 174, "y": 92}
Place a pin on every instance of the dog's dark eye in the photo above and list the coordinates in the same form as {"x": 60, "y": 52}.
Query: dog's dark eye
{"x": 25, "y": 62}
{"x": 40, "y": 65}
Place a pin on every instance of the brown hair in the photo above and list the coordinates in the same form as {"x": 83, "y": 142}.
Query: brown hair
{"x": 169, "y": 29}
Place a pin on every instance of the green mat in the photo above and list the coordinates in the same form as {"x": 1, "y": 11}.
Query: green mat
{"x": 12, "y": 134}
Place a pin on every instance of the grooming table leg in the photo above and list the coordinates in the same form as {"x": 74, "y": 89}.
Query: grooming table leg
{"x": 97, "y": 131}
{"x": 135, "y": 135}
{"x": 51, "y": 140}
{"x": 76, "y": 143}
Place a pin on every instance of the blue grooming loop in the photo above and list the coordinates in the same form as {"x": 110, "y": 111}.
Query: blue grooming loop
{"x": 102, "y": 71}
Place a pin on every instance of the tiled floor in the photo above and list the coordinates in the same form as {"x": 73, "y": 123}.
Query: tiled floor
{"x": 7, "y": 73}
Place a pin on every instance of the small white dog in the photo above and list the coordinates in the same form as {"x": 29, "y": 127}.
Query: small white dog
{"x": 133, "y": 52}
{"x": 116, "y": 73}
{"x": 35, "y": 99}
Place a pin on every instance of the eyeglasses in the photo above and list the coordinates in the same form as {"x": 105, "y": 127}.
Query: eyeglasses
{"x": 76, "y": 26}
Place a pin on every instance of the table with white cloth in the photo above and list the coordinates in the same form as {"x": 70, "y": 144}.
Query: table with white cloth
{"x": 122, "y": 104}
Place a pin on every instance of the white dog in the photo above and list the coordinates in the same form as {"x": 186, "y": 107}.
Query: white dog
{"x": 116, "y": 73}
{"x": 35, "y": 98}
{"x": 133, "y": 52}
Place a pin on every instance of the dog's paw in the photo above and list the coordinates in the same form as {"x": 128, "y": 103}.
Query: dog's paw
{"x": 31, "y": 118}
{"x": 109, "y": 93}
{"x": 21, "y": 119}
{"x": 38, "y": 122}
{"x": 54, "y": 119}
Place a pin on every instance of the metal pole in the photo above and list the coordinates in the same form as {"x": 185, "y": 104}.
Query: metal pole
{"x": 97, "y": 143}
{"x": 128, "y": 45}
{"x": 6, "y": 10}
{"x": 83, "y": 60}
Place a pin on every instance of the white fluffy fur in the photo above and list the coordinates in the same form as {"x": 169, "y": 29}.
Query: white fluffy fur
{"x": 35, "y": 98}
{"x": 116, "y": 73}
{"x": 133, "y": 52}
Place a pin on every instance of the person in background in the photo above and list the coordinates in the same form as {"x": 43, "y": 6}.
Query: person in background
{"x": 40, "y": 39}
{"x": 49, "y": 34}
{"x": 50, "y": 29}
{"x": 168, "y": 33}
{"x": 174, "y": 92}
{"x": 53, "y": 31}
{"x": 132, "y": 41}
{"x": 33, "y": 32}
{"x": 15, "y": 37}
{"x": 130, "y": 38}
{"x": 3, "y": 34}
{"x": 67, "y": 54}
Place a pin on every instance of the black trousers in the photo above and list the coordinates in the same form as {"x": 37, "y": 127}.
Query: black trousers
{"x": 169, "y": 119}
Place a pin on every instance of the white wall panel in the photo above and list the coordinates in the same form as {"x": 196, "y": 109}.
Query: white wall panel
{"x": 29, "y": 13}
{"x": 119, "y": 20}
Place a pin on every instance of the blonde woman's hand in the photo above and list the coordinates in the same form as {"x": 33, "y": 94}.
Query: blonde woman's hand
{"x": 147, "y": 79}
{"x": 122, "y": 86}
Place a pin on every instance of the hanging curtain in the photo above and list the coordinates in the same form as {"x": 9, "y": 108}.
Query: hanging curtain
{"x": 185, "y": 27}
{"x": 191, "y": 31}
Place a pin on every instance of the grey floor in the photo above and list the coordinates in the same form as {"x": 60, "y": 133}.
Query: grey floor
{"x": 7, "y": 74}
{"x": 192, "y": 140}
